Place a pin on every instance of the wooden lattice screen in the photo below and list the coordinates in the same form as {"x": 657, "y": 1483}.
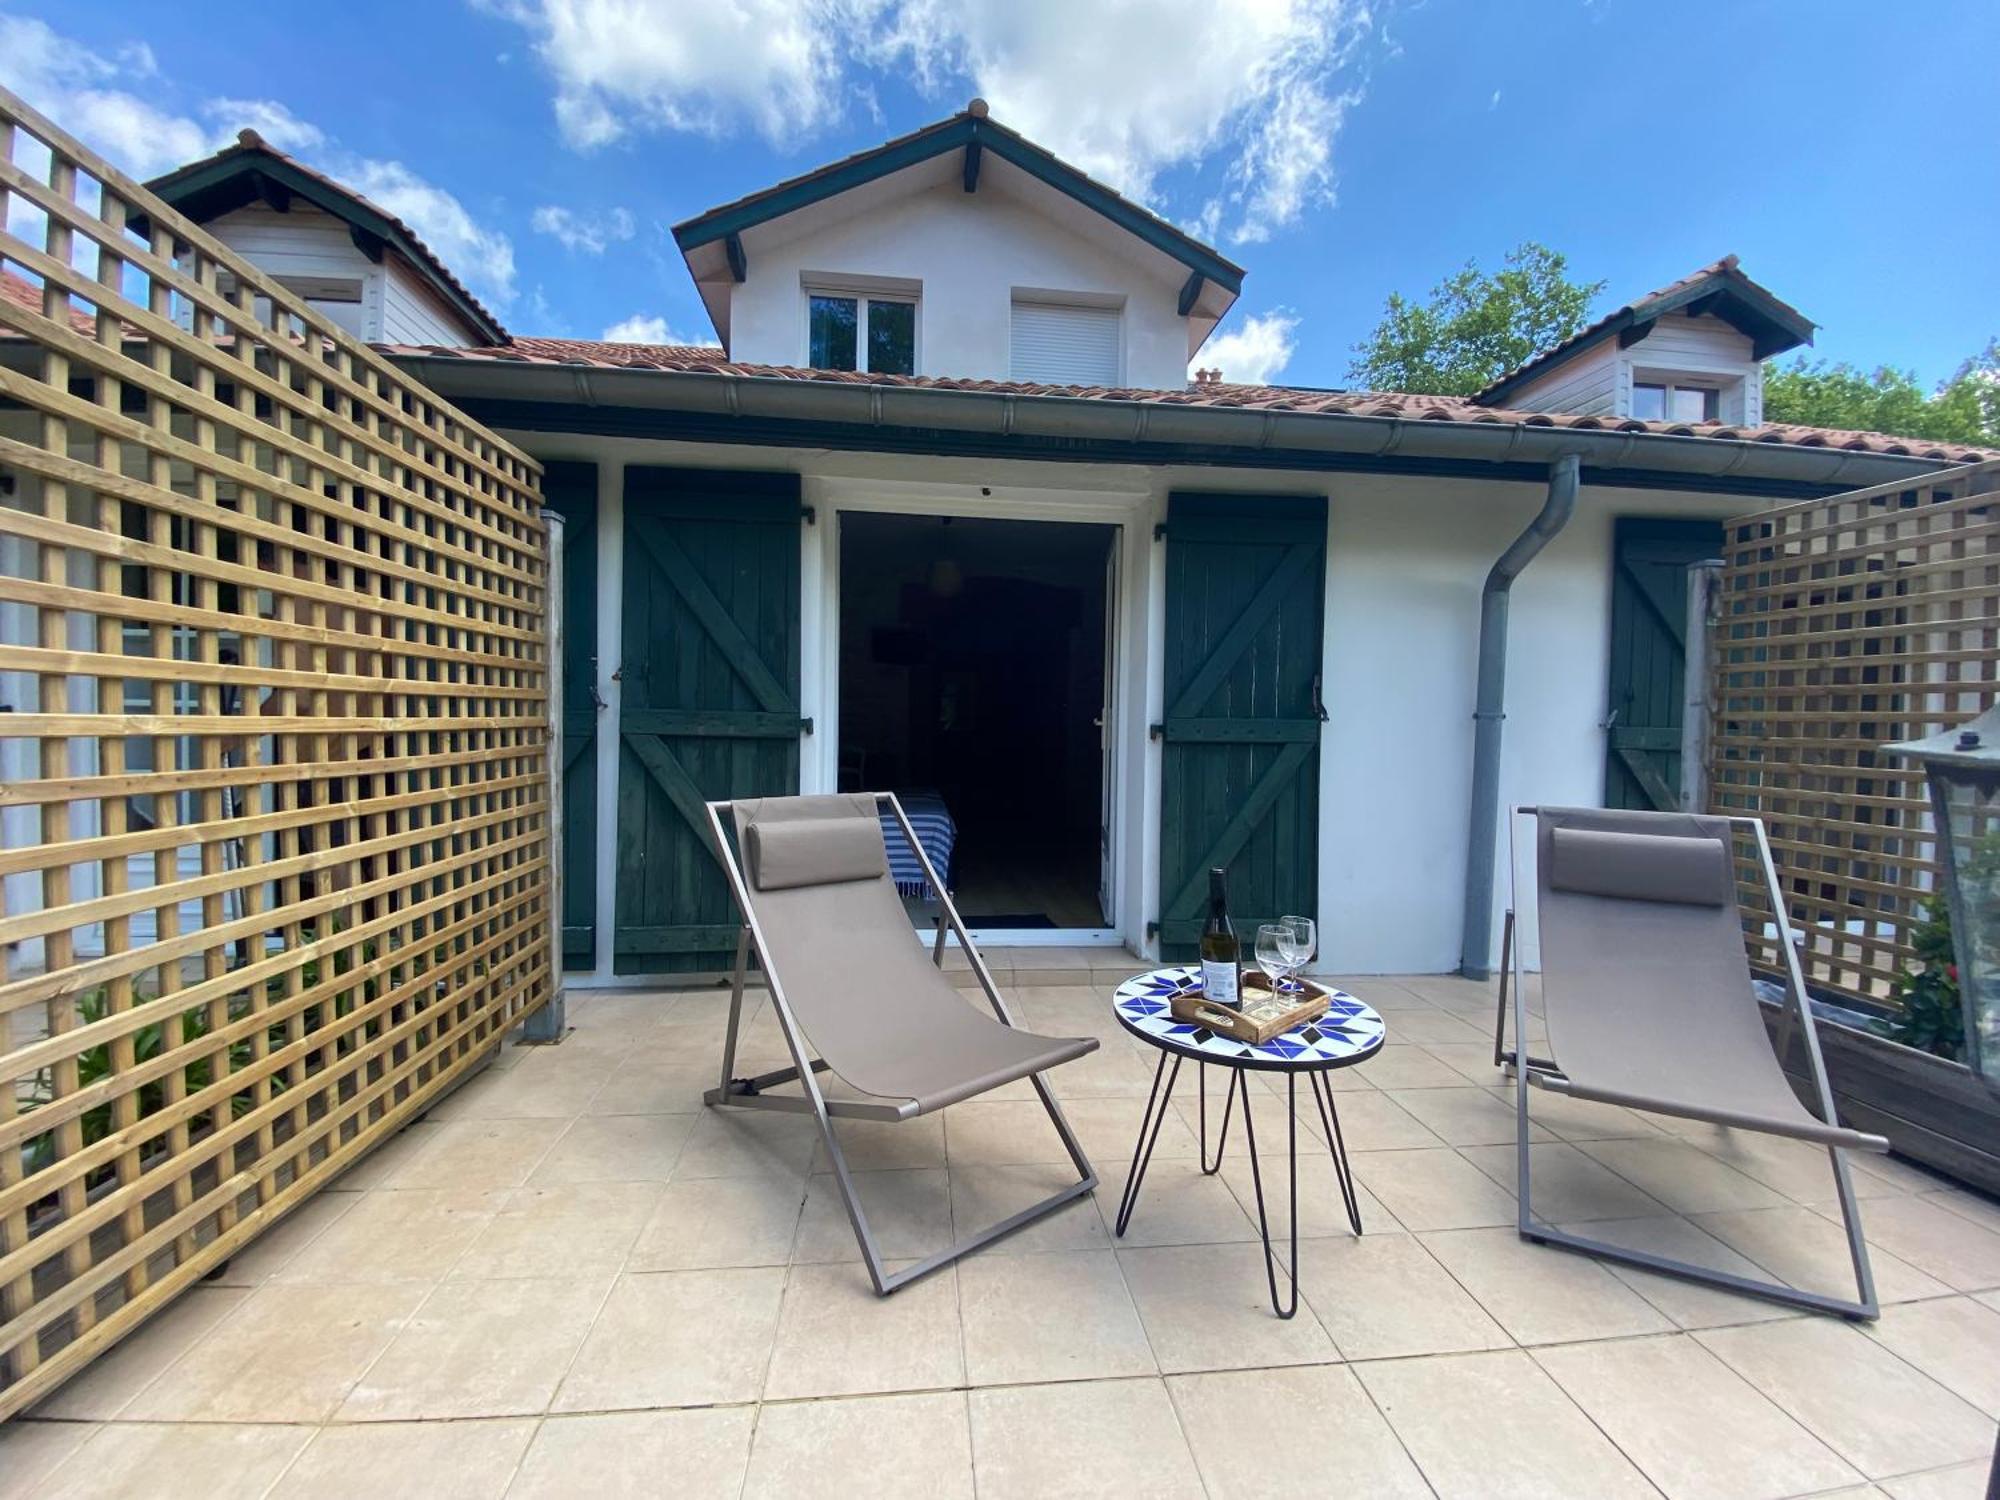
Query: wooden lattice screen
{"x": 276, "y": 767}
{"x": 1845, "y": 624}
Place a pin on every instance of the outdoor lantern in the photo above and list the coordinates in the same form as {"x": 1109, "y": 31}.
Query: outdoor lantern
{"x": 1963, "y": 767}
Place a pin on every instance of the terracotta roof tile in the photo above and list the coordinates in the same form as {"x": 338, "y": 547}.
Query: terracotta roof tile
{"x": 20, "y": 291}
{"x": 682, "y": 359}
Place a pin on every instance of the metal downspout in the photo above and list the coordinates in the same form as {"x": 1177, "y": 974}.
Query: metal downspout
{"x": 1476, "y": 945}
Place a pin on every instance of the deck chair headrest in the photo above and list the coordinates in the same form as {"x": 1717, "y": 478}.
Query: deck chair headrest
{"x": 1641, "y": 867}
{"x": 814, "y": 851}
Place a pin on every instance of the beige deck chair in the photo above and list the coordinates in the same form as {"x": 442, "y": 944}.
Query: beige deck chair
{"x": 849, "y": 982}
{"x": 1649, "y": 1005}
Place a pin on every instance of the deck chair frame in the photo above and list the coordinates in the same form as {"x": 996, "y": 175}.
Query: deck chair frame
{"x": 1527, "y": 1068}
{"x": 749, "y": 1093}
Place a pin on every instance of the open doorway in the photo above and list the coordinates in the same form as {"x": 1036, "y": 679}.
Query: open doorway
{"x": 974, "y": 672}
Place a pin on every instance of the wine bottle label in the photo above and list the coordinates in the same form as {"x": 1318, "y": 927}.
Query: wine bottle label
{"x": 1218, "y": 982}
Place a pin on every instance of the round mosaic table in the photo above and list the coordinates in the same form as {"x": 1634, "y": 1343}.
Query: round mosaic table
{"x": 1347, "y": 1033}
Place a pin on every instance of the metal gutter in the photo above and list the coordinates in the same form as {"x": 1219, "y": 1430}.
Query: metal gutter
{"x": 1489, "y": 713}
{"x": 780, "y": 412}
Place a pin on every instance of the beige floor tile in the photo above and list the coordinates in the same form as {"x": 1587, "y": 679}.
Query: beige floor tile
{"x": 469, "y": 1155}
{"x": 1958, "y": 1482}
{"x": 176, "y": 1461}
{"x": 1581, "y": 1119}
{"x": 1115, "y": 1070}
{"x": 31, "y": 1450}
{"x": 1686, "y": 1303}
{"x": 1567, "y": 1184}
{"x": 653, "y": 1086}
{"x": 549, "y": 1084}
{"x": 1539, "y": 1294}
{"x": 1383, "y": 1296}
{"x": 867, "y": 1445}
{"x": 677, "y": 1338}
{"x": 1955, "y": 1341}
{"x": 909, "y": 1214}
{"x": 1013, "y": 1132}
{"x": 1956, "y": 1249}
{"x": 1322, "y": 1210}
{"x": 885, "y": 1145}
{"x": 272, "y": 1250}
{"x": 748, "y": 1143}
{"x": 1178, "y": 1205}
{"x": 1406, "y": 1065}
{"x": 692, "y": 1455}
{"x": 1686, "y": 1180}
{"x": 1495, "y": 1426}
{"x": 1208, "y": 1307}
{"x": 569, "y": 1230}
{"x": 413, "y": 1235}
{"x": 1866, "y": 1404}
{"x": 439, "y": 1460}
{"x": 836, "y": 1337}
{"x": 1370, "y": 1459}
{"x": 1465, "y": 1116}
{"x": 1064, "y": 1315}
{"x": 1807, "y": 1250}
{"x": 985, "y": 1195}
{"x": 703, "y": 1223}
{"x": 288, "y": 1354}
{"x": 1797, "y": 1169}
{"x": 1369, "y": 1121}
{"x": 616, "y": 1148}
{"x": 389, "y": 1158}
{"x": 1080, "y": 1441}
{"x": 1472, "y": 1061}
{"x": 105, "y": 1385}
{"x": 1436, "y": 1189}
{"x": 1696, "y": 1427}
{"x": 479, "y": 1349}
{"x": 1439, "y": 1027}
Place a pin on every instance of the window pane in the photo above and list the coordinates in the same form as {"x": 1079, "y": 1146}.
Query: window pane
{"x": 1691, "y": 403}
{"x": 1649, "y": 402}
{"x": 830, "y": 344}
{"x": 892, "y": 337}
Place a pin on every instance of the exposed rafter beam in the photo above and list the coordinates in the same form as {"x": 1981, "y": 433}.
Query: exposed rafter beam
{"x": 972, "y": 152}
{"x": 1702, "y": 305}
{"x": 369, "y": 244}
{"x": 739, "y": 267}
{"x": 274, "y": 195}
{"x": 1191, "y": 292}
{"x": 1632, "y": 333}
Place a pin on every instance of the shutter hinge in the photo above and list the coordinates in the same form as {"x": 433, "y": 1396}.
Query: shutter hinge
{"x": 1152, "y": 929}
{"x": 809, "y": 515}
{"x": 1156, "y": 731}
{"x": 1159, "y": 531}
{"x": 805, "y": 726}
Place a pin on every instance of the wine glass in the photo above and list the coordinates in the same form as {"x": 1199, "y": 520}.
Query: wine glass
{"x": 1300, "y": 939}
{"x": 1271, "y": 954}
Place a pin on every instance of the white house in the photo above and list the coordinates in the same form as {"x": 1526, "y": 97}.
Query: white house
{"x": 944, "y": 514}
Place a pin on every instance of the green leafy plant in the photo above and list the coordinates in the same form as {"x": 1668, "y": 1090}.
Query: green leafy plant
{"x": 1929, "y": 1016}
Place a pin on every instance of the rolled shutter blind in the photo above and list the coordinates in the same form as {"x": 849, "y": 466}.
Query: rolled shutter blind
{"x": 1060, "y": 343}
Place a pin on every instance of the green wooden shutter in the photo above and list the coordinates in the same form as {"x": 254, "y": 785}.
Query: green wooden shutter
{"x": 1649, "y": 657}
{"x": 709, "y": 697}
{"x": 571, "y": 489}
{"x": 1246, "y": 577}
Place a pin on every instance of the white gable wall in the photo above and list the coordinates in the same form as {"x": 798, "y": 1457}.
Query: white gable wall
{"x": 1585, "y": 385}
{"x": 971, "y": 252}
{"x": 414, "y": 314}
{"x": 1704, "y": 346}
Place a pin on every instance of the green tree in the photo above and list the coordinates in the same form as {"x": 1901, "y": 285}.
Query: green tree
{"x": 1964, "y": 409}
{"x": 1474, "y": 327}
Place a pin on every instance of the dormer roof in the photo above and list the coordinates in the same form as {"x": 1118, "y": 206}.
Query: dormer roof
{"x": 714, "y": 243}
{"x": 253, "y": 171}
{"x": 1719, "y": 288}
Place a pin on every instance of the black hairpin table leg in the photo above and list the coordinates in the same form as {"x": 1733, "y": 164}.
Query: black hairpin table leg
{"x": 1284, "y": 1310}
{"x": 1149, "y": 1132}
{"x": 1228, "y": 1104}
{"x": 1329, "y": 1116}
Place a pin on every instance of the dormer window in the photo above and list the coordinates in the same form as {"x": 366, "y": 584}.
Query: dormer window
{"x": 1676, "y": 401}
{"x": 861, "y": 330}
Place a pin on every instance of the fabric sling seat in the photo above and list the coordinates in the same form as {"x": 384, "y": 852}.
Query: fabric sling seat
{"x": 855, "y": 995}
{"x": 1649, "y": 1004}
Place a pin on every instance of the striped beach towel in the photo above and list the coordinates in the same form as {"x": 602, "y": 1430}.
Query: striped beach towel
{"x": 935, "y": 830}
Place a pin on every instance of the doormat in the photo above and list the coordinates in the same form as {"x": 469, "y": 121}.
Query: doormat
{"x": 1007, "y": 919}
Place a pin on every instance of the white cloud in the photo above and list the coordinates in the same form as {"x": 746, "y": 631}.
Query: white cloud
{"x": 1126, "y": 92}
{"x": 589, "y": 233}
{"x": 91, "y": 96}
{"x": 644, "y": 328}
{"x": 1254, "y": 352}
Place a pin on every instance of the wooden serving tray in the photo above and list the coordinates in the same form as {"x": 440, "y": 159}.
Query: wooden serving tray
{"x": 1263, "y": 1016}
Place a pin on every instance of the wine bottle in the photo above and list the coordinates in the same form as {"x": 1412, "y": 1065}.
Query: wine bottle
{"x": 1221, "y": 958}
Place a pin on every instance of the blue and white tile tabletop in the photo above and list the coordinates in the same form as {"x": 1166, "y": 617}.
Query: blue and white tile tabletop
{"x": 1348, "y": 1032}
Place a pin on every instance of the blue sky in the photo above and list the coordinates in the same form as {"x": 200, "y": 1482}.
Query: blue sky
{"x": 1339, "y": 151}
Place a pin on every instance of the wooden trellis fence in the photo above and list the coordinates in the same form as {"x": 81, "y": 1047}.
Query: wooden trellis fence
{"x": 273, "y": 786}
{"x": 1846, "y": 623}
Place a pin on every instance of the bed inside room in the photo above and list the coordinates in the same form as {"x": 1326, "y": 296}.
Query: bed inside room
{"x": 973, "y": 683}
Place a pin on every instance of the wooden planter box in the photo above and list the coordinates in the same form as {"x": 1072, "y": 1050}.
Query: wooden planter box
{"x": 1933, "y": 1111}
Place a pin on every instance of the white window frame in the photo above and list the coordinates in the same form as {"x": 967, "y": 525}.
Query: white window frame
{"x": 1713, "y": 388}
{"x": 863, "y": 291}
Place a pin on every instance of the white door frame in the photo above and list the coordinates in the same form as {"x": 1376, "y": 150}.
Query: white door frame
{"x": 819, "y": 768}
